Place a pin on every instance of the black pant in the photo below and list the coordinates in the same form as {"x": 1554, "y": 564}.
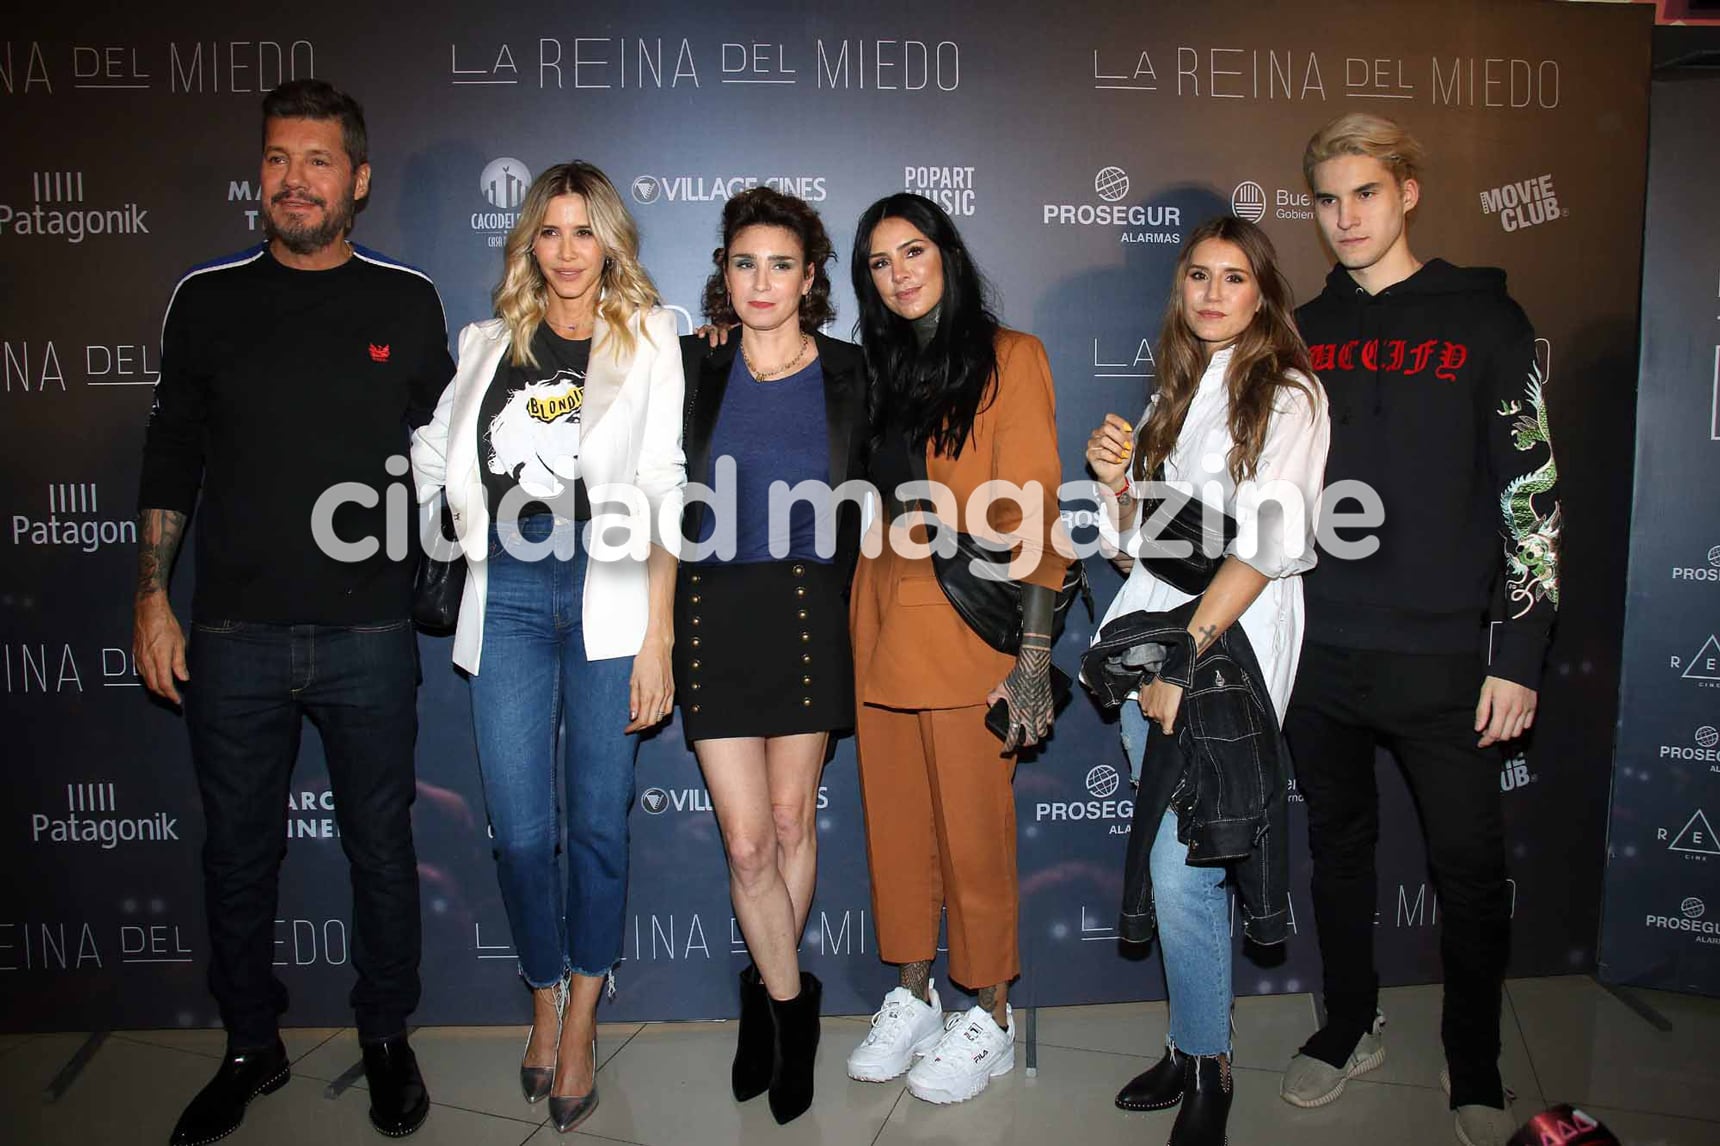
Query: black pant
{"x": 251, "y": 686}
{"x": 1422, "y": 709}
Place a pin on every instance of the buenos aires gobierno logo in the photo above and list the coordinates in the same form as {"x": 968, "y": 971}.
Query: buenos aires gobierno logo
{"x": 1248, "y": 201}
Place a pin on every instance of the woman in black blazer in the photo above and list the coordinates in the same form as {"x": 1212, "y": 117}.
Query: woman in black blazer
{"x": 762, "y": 663}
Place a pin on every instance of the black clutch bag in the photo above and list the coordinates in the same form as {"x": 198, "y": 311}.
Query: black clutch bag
{"x": 975, "y": 580}
{"x": 439, "y": 584}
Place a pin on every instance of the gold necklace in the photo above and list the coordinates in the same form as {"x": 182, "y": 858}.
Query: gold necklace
{"x": 767, "y": 375}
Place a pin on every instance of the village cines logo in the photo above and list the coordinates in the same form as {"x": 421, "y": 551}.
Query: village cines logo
{"x": 57, "y": 209}
{"x": 89, "y": 818}
{"x": 710, "y": 188}
{"x": 1689, "y": 920}
{"x": 1527, "y": 203}
{"x": 656, "y": 801}
{"x": 503, "y": 184}
{"x": 1704, "y": 667}
{"x": 1709, "y": 573}
{"x": 73, "y": 520}
{"x": 1138, "y": 222}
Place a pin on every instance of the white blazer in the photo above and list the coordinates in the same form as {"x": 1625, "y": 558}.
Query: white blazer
{"x": 630, "y": 434}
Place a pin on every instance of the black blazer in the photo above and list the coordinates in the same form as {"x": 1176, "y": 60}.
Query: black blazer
{"x": 707, "y": 374}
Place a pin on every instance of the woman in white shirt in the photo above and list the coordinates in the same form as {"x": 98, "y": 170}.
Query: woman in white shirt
{"x": 1239, "y": 422}
{"x": 569, "y": 398}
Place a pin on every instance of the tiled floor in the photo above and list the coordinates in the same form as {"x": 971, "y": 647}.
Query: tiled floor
{"x": 666, "y": 1084}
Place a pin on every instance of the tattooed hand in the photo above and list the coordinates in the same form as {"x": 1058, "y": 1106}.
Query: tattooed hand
{"x": 1027, "y": 691}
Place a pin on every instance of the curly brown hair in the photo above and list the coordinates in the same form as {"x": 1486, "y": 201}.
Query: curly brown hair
{"x": 768, "y": 207}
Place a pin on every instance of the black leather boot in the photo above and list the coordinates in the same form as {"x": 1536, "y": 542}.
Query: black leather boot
{"x": 755, "y": 1048}
{"x": 399, "y": 1102}
{"x": 219, "y": 1107}
{"x": 1155, "y": 1088}
{"x": 1205, "y": 1102}
{"x": 796, "y": 1030}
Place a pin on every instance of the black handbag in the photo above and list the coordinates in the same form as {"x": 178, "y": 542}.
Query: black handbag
{"x": 989, "y": 601}
{"x": 1193, "y": 573}
{"x": 437, "y": 588}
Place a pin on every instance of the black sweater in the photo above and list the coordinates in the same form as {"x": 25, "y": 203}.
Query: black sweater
{"x": 1437, "y": 404}
{"x": 277, "y": 384}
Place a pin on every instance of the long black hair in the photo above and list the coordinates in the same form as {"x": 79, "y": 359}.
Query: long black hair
{"x": 937, "y": 392}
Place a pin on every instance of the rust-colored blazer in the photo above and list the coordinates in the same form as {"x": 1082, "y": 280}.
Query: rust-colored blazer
{"x": 911, "y": 648}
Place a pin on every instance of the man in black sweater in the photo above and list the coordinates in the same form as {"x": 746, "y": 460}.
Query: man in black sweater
{"x": 1431, "y": 643}
{"x": 292, "y": 375}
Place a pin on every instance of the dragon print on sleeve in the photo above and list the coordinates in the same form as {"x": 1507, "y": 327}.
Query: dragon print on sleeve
{"x": 1531, "y": 526}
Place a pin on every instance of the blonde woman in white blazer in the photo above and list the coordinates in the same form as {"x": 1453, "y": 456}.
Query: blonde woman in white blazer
{"x": 571, "y": 396}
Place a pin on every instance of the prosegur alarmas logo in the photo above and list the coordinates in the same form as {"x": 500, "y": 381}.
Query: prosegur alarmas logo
{"x": 57, "y": 209}
{"x": 1139, "y": 222}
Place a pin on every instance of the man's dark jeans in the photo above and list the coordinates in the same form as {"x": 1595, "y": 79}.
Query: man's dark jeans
{"x": 251, "y": 687}
{"x": 1421, "y": 708}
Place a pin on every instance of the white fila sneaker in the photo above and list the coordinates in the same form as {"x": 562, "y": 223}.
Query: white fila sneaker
{"x": 903, "y": 1029}
{"x": 972, "y": 1053}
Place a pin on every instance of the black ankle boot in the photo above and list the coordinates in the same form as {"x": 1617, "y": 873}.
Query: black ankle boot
{"x": 1205, "y": 1102}
{"x": 220, "y": 1106}
{"x": 1156, "y": 1088}
{"x": 399, "y": 1102}
{"x": 796, "y": 1031}
{"x": 755, "y": 1048}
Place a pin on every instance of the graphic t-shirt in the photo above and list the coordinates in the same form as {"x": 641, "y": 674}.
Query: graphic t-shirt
{"x": 528, "y": 432}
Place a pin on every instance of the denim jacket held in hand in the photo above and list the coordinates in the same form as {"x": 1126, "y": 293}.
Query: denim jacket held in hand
{"x": 1224, "y": 771}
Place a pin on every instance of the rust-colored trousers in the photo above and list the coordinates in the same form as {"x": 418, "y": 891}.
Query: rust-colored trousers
{"x": 940, "y": 833}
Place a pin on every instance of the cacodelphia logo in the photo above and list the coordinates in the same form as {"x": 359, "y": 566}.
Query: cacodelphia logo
{"x": 1270, "y": 516}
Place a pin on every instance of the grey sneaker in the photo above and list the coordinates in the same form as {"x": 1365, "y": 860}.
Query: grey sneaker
{"x": 1308, "y": 1082}
{"x": 1484, "y": 1126}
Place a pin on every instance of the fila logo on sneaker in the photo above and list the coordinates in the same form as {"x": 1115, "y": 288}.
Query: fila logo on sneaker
{"x": 379, "y": 353}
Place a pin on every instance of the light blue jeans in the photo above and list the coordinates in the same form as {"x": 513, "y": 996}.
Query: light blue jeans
{"x": 1193, "y": 912}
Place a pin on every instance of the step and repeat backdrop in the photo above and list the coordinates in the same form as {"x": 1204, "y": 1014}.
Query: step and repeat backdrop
{"x": 1663, "y": 880}
{"x": 1074, "y": 149}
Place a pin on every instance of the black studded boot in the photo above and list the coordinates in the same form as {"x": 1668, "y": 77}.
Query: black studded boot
{"x": 1205, "y": 1102}
{"x": 1157, "y": 1087}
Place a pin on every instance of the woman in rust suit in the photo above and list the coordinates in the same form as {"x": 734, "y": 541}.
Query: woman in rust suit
{"x": 961, "y": 402}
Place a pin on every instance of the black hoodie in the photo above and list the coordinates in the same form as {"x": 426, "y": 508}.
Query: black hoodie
{"x": 1436, "y": 403}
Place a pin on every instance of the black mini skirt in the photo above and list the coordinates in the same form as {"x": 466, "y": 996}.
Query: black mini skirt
{"x": 761, "y": 649}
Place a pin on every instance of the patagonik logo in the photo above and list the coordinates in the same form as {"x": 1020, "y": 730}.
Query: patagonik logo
{"x": 92, "y": 816}
{"x": 73, "y": 519}
{"x": 57, "y": 209}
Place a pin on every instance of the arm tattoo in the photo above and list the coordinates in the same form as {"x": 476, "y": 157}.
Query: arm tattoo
{"x": 159, "y": 533}
{"x": 1204, "y": 636}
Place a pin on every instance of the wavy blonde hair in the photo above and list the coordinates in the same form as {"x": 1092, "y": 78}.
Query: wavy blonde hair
{"x": 625, "y": 290}
{"x": 1362, "y": 133}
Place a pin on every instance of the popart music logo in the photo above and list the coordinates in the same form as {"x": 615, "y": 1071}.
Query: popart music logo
{"x": 503, "y": 184}
{"x": 951, "y": 188}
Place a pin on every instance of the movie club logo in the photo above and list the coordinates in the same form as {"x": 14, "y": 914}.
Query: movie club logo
{"x": 650, "y": 189}
{"x": 1249, "y": 201}
{"x": 1103, "y": 783}
{"x": 57, "y": 209}
{"x": 90, "y": 817}
{"x": 1704, "y": 668}
{"x": 1135, "y": 222}
{"x": 1695, "y": 840}
{"x": 1709, "y": 573}
{"x": 1689, "y": 920}
{"x": 1527, "y": 203}
{"x": 951, "y": 188}
{"x": 503, "y": 183}
{"x": 73, "y": 520}
{"x": 1515, "y": 774}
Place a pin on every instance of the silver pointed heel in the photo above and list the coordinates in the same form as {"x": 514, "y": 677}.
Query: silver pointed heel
{"x": 535, "y": 1081}
{"x": 566, "y": 1113}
